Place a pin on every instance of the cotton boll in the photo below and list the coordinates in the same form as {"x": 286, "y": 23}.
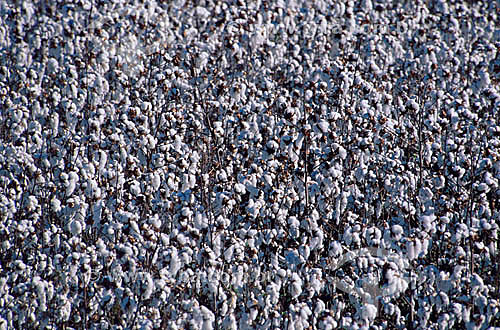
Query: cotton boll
{"x": 428, "y": 222}
{"x": 208, "y": 318}
{"x": 229, "y": 322}
{"x": 397, "y": 232}
{"x": 239, "y": 188}
{"x": 147, "y": 285}
{"x": 439, "y": 182}
{"x": 417, "y": 247}
{"x": 102, "y": 161}
{"x": 228, "y": 254}
{"x": 308, "y": 94}
{"x": 185, "y": 183}
{"x": 202, "y": 12}
{"x": 342, "y": 153}
{"x": 135, "y": 188}
{"x": 175, "y": 263}
{"x": 305, "y": 251}
{"x": 52, "y": 66}
{"x": 410, "y": 250}
{"x": 222, "y": 175}
{"x": 368, "y": 313}
{"x": 425, "y": 195}
{"x": 156, "y": 181}
{"x": 75, "y": 227}
{"x": 133, "y": 225}
{"x": 320, "y": 307}
{"x": 324, "y": 126}
{"x": 70, "y": 188}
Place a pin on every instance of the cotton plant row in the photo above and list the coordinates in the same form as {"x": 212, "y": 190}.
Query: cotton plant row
{"x": 244, "y": 165}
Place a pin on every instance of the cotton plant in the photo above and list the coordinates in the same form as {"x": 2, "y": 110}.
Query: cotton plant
{"x": 156, "y": 129}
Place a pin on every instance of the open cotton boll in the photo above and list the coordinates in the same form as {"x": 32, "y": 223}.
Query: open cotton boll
{"x": 295, "y": 287}
{"x": 135, "y": 188}
{"x": 146, "y": 285}
{"x": 397, "y": 232}
{"x": 324, "y": 126}
{"x": 76, "y": 227}
{"x": 208, "y": 318}
{"x": 425, "y": 195}
{"x": 156, "y": 181}
{"x": 410, "y": 250}
{"x": 52, "y": 66}
{"x": 368, "y": 312}
{"x": 175, "y": 263}
{"x": 428, "y": 222}
{"x": 103, "y": 159}
{"x": 70, "y": 188}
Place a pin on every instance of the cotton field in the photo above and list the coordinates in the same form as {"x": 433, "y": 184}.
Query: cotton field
{"x": 249, "y": 164}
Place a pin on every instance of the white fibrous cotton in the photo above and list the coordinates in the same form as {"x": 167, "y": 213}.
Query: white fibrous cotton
{"x": 411, "y": 251}
{"x": 324, "y": 127}
{"x": 135, "y": 187}
{"x": 175, "y": 263}
{"x": 75, "y": 227}
{"x": 397, "y": 232}
{"x": 368, "y": 313}
{"x": 147, "y": 284}
{"x": 295, "y": 288}
{"x": 156, "y": 181}
{"x": 428, "y": 222}
{"x": 103, "y": 159}
{"x": 52, "y": 65}
{"x": 425, "y": 194}
{"x": 276, "y": 164}
{"x": 54, "y": 123}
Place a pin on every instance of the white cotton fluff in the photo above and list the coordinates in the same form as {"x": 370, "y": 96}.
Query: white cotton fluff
{"x": 75, "y": 227}
{"x": 228, "y": 254}
{"x": 200, "y": 221}
{"x": 317, "y": 241}
{"x": 425, "y": 195}
{"x": 268, "y": 179}
{"x": 202, "y": 12}
{"x": 147, "y": 285}
{"x": 156, "y": 181}
{"x": 73, "y": 176}
{"x": 367, "y": 6}
{"x": 208, "y": 318}
{"x": 296, "y": 286}
{"x": 335, "y": 249}
{"x": 239, "y": 188}
{"x": 97, "y": 212}
{"x": 320, "y": 307}
{"x": 308, "y": 95}
{"x": 410, "y": 250}
{"x": 52, "y": 65}
{"x": 428, "y": 222}
{"x": 135, "y": 188}
{"x": 368, "y": 313}
{"x": 185, "y": 183}
{"x": 439, "y": 182}
{"x": 103, "y": 159}
{"x": 305, "y": 251}
{"x": 71, "y": 184}
{"x": 134, "y": 226}
{"x": 395, "y": 284}
{"x": 324, "y": 126}
{"x": 175, "y": 263}
{"x": 229, "y": 322}
{"x": 54, "y": 123}
{"x": 397, "y": 232}
{"x": 40, "y": 287}
{"x": 417, "y": 247}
